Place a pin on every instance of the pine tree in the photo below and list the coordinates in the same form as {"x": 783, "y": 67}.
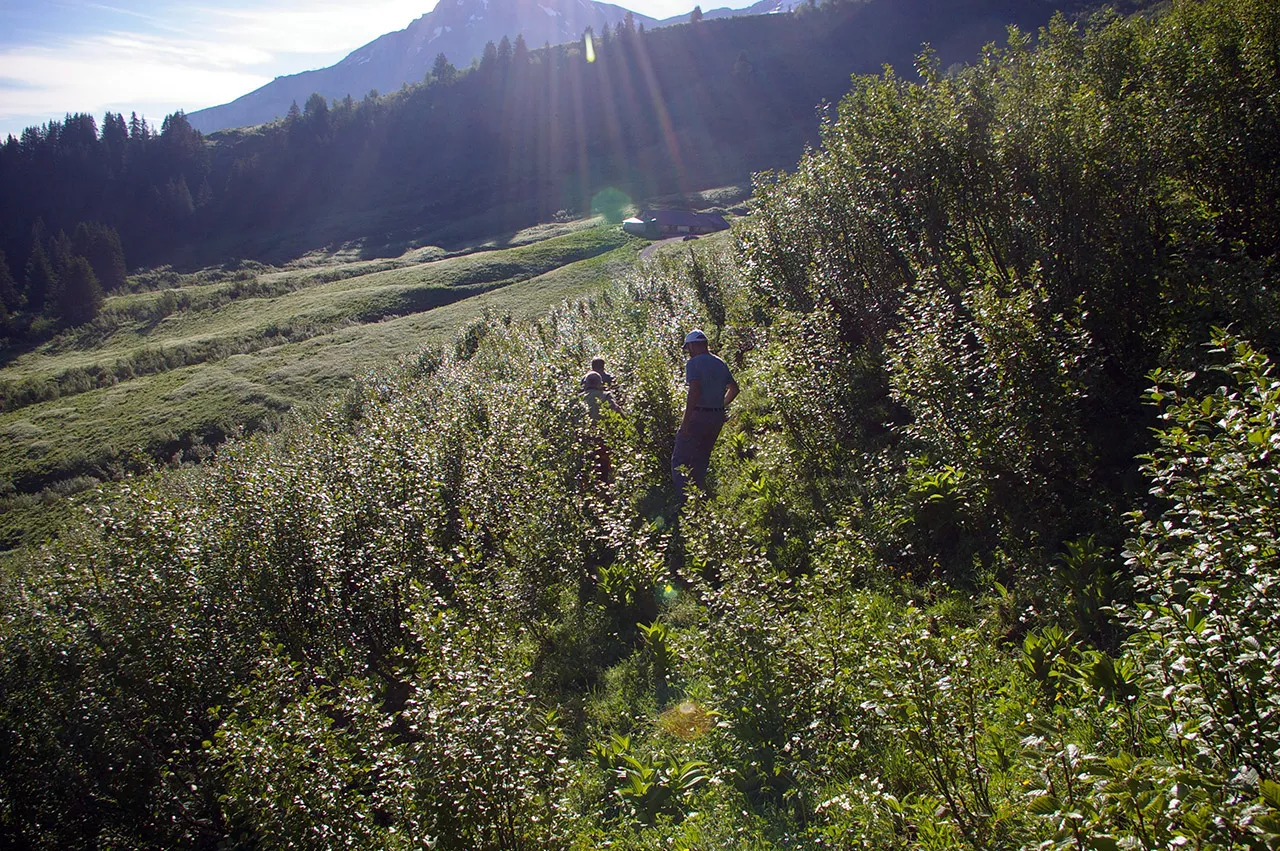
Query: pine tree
{"x": 41, "y": 280}
{"x": 443, "y": 69}
{"x": 80, "y": 132}
{"x": 138, "y": 129}
{"x": 489, "y": 58}
{"x": 60, "y": 253}
{"x": 181, "y": 204}
{"x": 695, "y": 15}
{"x": 10, "y": 298}
{"x": 81, "y": 298}
{"x": 115, "y": 140}
{"x": 504, "y": 53}
{"x": 520, "y": 52}
{"x": 317, "y": 108}
{"x": 204, "y": 192}
{"x": 100, "y": 245}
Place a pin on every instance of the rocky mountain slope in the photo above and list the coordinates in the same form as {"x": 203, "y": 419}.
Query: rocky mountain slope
{"x": 457, "y": 28}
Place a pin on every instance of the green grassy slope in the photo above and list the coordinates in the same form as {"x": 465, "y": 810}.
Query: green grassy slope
{"x": 257, "y": 356}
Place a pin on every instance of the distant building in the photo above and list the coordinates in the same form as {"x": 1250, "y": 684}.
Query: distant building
{"x": 660, "y": 223}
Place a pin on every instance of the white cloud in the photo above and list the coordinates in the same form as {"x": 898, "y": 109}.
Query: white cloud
{"x": 117, "y": 72}
{"x": 323, "y": 26}
{"x": 194, "y": 57}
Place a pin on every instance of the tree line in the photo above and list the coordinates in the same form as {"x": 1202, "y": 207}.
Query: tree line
{"x": 63, "y": 282}
{"x": 510, "y": 140}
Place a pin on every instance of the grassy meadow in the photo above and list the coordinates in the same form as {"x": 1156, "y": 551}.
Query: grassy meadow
{"x": 190, "y": 358}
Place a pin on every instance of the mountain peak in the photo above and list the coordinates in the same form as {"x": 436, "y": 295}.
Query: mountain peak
{"x": 459, "y": 29}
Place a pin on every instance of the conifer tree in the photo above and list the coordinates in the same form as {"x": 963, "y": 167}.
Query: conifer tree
{"x": 317, "y": 108}
{"x": 520, "y": 52}
{"x": 443, "y": 69}
{"x": 81, "y": 297}
{"x": 204, "y": 192}
{"x": 138, "y": 129}
{"x": 115, "y": 140}
{"x": 80, "y": 132}
{"x": 60, "y": 253}
{"x": 114, "y": 130}
{"x": 181, "y": 204}
{"x": 41, "y": 280}
{"x": 100, "y": 245}
{"x": 10, "y": 298}
{"x": 695, "y": 15}
{"x": 504, "y": 53}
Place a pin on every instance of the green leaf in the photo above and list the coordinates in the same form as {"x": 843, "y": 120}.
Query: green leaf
{"x": 1271, "y": 793}
{"x": 1045, "y": 805}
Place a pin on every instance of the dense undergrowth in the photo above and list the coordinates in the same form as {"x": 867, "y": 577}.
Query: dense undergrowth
{"x": 990, "y": 559}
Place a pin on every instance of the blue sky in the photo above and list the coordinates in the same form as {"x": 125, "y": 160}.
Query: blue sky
{"x": 61, "y": 56}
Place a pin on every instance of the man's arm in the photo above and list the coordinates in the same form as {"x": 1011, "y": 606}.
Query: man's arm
{"x": 730, "y": 392}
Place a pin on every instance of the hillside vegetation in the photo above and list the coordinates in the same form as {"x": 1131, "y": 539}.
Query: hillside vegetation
{"x": 989, "y": 559}
{"x": 469, "y": 153}
{"x": 168, "y": 371}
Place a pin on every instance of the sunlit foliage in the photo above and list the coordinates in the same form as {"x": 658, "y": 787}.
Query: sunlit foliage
{"x": 948, "y": 590}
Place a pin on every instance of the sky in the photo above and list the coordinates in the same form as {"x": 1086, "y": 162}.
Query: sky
{"x": 154, "y": 57}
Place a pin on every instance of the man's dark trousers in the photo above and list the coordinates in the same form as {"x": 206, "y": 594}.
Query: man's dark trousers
{"x": 693, "y": 449}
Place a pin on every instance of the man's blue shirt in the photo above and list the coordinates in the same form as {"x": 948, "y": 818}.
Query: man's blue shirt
{"x": 713, "y": 377}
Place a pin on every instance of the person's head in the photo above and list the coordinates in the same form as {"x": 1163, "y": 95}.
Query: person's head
{"x": 597, "y": 365}
{"x": 695, "y": 342}
{"x": 592, "y": 381}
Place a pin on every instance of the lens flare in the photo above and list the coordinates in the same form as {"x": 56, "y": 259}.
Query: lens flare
{"x": 687, "y": 720}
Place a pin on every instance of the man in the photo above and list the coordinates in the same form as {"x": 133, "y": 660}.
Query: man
{"x": 711, "y": 389}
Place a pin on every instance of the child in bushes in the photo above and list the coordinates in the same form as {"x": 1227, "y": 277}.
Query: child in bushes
{"x": 595, "y": 398}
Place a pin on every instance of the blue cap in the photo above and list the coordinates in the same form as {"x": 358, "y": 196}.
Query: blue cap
{"x": 695, "y": 336}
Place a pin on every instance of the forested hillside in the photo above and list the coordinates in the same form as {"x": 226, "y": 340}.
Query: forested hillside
{"x": 989, "y": 558}
{"x": 468, "y": 153}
